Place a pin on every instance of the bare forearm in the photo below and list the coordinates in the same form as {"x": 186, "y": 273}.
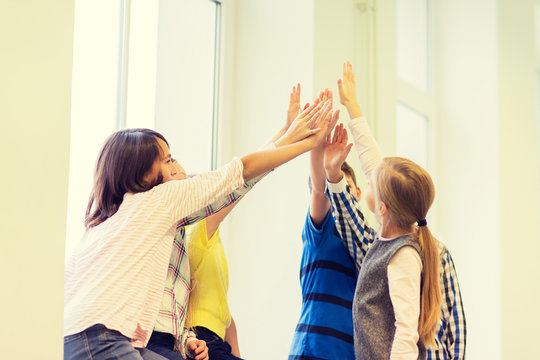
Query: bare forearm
{"x": 353, "y": 109}
{"x": 317, "y": 169}
{"x": 262, "y": 161}
{"x": 232, "y": 338}
{"x": 319, "y": 202}
{"x": 276, "y": 137}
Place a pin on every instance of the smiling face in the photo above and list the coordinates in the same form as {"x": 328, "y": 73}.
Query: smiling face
{"x": 165, "y": 168}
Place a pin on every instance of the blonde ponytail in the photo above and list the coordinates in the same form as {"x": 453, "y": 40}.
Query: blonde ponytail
{"x": 430, "y": 296}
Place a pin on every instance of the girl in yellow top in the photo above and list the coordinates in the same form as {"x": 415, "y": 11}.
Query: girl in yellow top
{"x": 210, "y": 316}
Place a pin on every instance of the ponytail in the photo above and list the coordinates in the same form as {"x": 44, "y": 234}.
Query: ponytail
{"x": 430, "y": 294}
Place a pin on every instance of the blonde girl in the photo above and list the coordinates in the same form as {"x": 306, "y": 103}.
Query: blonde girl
{"x": 397, "y": 300}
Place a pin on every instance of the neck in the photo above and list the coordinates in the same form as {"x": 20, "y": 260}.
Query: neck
{"x": 391, "y": 231}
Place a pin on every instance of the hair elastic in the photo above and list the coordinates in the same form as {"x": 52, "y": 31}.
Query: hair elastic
{"x": 422, "y": 222}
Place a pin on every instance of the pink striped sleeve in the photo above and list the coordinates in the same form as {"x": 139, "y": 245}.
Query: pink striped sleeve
{"x": 185, "y": 197}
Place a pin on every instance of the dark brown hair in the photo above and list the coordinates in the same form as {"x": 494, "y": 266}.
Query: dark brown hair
{"x": 126, "y": 157}
{"x": 348, "y": 170}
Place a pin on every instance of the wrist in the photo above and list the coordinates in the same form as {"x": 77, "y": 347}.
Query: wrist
{"x": 354, "y": 109}
{"x": 279, "y": 139}
{"x": 334, "y": 175}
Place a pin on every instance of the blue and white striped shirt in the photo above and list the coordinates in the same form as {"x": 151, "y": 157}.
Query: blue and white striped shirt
{"x": 328, "y": 280}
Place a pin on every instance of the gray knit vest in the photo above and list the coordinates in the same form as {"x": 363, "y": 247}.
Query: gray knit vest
{"x": 373, "y": 313}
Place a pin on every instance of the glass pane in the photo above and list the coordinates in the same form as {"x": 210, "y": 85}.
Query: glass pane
{"x": 412, "y": 42}
{"x": 412, "y": 135}
{"x": 93, "y": 101}
{"x": 185, "y": 80}
{"x": 142, "y": 64}
{"x": 537, "y": 31}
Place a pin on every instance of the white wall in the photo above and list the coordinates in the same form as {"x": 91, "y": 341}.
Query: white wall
{"x": 35, "y": 89}
{"x": 467, "y": 162}
{"x": 519, "y": 178}
{"x": 268, "y": 48}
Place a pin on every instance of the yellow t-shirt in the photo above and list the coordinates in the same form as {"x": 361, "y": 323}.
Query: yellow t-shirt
{"x": 210, "y": 275}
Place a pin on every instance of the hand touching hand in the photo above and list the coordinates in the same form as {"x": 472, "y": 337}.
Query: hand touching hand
{"x": 335, "y": 153}
{"x": 197, "y": 349}
{"x": 328, "y": 120}
{"x": 304, "y": 124}
{"x": 326, "y": 95}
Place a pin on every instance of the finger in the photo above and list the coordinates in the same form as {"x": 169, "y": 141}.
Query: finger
{"x": 307, "y": 109}
{"x": 341, "y": 133}
{"x": 314, "y": 131}
{"x": 330, "y": 95}
{"x": 314, "y": 121}
{"x": 344, "y": 136}
{"x": 326, "y": 111}
{"x": 347, "y": 151}
{"x": 203, "y": 355}
{"x": 314, "y": 109}
{"x": 335, "y": 137}
{"x": 333, "y": 121}
{"x": 322, "y": 115}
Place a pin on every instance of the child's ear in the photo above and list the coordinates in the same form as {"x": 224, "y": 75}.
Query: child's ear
{"x": 382, "y": 209}
{"x": 359, "y": 193}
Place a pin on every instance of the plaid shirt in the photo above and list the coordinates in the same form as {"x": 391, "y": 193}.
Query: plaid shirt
{"x": 358, "y": 236}
{"x": 172, "y": 313}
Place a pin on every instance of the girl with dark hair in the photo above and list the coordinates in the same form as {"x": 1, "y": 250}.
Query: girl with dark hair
{"x": 115, "y": 277}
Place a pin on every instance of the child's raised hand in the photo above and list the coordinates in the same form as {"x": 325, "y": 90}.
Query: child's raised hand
{"x": 326, "y": 123}
{"x": 198, "y": 349}
{"x": 336, "y": 152}
{"x": 347, "y": 86}
{"x": 303, "y": 125}
{"x": 294, "y": 105}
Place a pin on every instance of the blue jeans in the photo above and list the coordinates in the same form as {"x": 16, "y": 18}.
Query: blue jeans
{"x": 217, "y": 348}
{"x": 163, "y": 344}
{"x": 99, "y": 343}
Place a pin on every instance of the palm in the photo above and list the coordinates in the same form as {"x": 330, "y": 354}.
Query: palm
{"x": 336, "y": 149}
{"x": 335, "y": 155}
{"x": 347, "y": 86}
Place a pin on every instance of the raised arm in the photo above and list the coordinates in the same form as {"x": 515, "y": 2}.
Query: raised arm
{"x": 366, "y": 146}
{"x": 350, "y": 221}
{"x": 320, "y": 204}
